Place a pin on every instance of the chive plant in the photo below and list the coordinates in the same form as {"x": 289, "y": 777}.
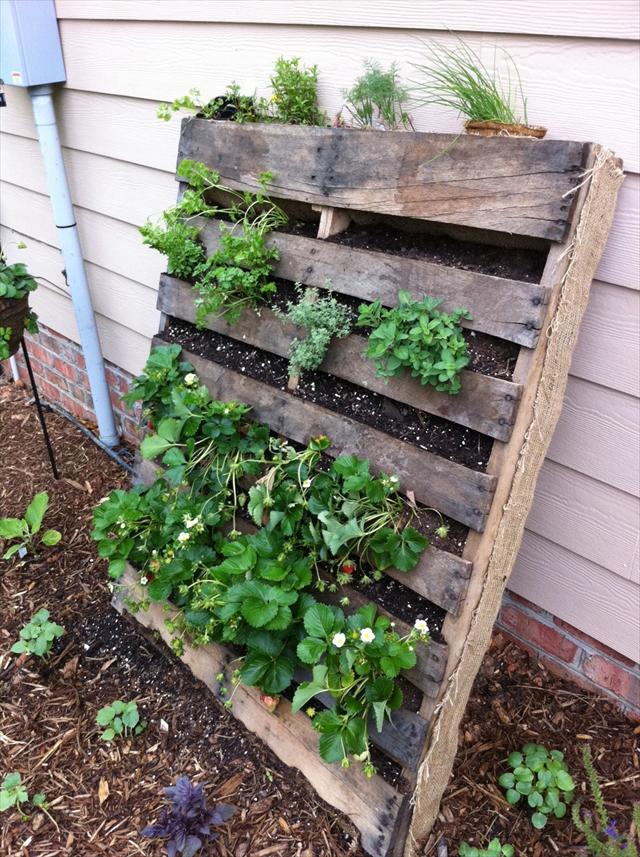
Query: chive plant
{"x": 457, "y": 78}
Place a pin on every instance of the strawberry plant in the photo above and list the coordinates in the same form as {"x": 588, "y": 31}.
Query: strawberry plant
{"x": 493, "y": 849}
{"x": 416, "y": 336}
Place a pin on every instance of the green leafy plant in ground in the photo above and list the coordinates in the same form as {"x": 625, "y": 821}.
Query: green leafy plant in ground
{"x": 295, "y": 93}
{"x": 323, "y": 318}
{"x": 38, "y": 635}
{"x": 12, "y": 792}
{"x": 542, "y": 778}
{"x": 23, "y": 531}
{"x": 493, "y": 849}
{"x": 378, "y": 98}
{"x": 319, "y": 525}
{"x": 600, "y": 831}
{"x": 238, "y": 273}
{"x": 415, "y": 335}
{"x": 121, "y": 719}
{"x": 457, "y": 78}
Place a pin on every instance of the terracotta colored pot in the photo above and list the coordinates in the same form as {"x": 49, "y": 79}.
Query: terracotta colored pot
{"x": 488, "y": 128}
{"x": 12, "y": 314}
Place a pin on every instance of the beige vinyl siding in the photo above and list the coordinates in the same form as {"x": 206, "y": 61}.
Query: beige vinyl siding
{"x": 579, "y": 64}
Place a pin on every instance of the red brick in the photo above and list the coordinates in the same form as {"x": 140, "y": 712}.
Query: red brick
{"x": 537, "y": 634}
{"x": 65, "y": 369}
{"x": 520, "y": 600}
{"x": 40, "y": 353}
{"x": 593, "y": 643}
{"x": 613, "y": 677}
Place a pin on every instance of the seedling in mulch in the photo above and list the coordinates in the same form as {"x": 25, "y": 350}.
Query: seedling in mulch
{"x": 493, "y": 849}
{"x": 38, "y": 635}
{"x": 186, "y": 824}
{"x": 542, "y": 778}
{"x": 23, "y": 531}
{"x": 121, "y": 719}
{"x": 601, "y": 832}
{"x": 12, "y": 792}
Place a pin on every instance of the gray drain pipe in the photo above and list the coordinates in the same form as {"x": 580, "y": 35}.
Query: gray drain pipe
{"x": 45, "y": 118}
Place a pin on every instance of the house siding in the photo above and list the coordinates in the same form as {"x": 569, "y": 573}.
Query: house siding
{"x": 579, "y": 64}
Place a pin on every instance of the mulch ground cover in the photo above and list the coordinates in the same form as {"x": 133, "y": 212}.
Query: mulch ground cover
{"x": 100, "y": 796}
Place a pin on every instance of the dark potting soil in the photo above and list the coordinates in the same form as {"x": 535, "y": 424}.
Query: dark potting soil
{"x": 513, "y": 263}
{"x": 405, "y": 604}
{"x": 433, "y": 434}
{"x": 488, "y": 354}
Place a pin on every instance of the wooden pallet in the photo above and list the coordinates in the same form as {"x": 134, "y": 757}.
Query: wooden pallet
{"x": 496, "y": 191}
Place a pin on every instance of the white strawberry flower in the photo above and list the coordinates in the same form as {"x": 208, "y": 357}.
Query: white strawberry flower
{"x": 144, "y": 580}
{"x": 421, "y": 626}
{"x": 190, "y": 379}
{"x": 183, "y": 537}
{"x": 306, "y": 483}
{"x": 191, "y": 522}
{"x": 367, "y": 635}
{"x": 339, "y": 640}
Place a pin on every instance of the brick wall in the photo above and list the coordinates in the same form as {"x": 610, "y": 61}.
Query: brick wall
{"x": 61, "y": 377}
{"x": 568, "y": 652}
{"x": 60, "y": 373}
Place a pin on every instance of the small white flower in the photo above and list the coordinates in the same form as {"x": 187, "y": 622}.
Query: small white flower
{"x": 226, "y": 411}
{"x": 190, "y": 379}
{"x": 306, "y": 483}
{"x": 144, "y": 580}
{"x": 183, "y": 537}
{"x": 421, "y": 626}
{"x": 191, "y": 522}
{"x": 367, "y": 635}
{"x": 394, "y": 478}
{"x": 410, "y": 648}
{"x": 123, "y": 526}
{"x": 339, "y": 640}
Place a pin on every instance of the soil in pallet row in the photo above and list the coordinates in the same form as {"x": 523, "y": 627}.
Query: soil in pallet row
{"x": 513, "y": 263}
{"x": 425, "y": 431}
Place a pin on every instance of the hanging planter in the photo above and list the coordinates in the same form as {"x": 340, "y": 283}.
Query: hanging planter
{"x": 15, "y": 315}
{"x": 489, "y": 128}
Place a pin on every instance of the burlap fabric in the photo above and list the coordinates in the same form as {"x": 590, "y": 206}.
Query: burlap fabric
{"x": 601, "y": 185}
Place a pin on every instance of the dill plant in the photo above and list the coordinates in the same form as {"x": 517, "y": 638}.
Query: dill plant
{"x": 323, "y": 318}
{"x": 377, "y": 96}
{"x": 457, "y": 78}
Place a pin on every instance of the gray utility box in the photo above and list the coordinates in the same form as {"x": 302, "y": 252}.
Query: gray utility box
{"x": 30, "y": 49}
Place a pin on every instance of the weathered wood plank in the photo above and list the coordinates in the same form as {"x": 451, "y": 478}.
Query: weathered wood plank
{"x": 502, "y": 184}
{"x": 485, "y": 404}
{"x": 509, "y": 309}
{"x": 371, "y": 804}
{"x": 453, "y": 489}
{"x": 440, "y": 577}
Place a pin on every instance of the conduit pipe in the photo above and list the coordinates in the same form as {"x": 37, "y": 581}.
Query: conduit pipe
{"x": 45, "y": 119}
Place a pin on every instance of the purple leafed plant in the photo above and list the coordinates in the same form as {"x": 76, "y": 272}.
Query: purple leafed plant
{"x": 187, "y": 823}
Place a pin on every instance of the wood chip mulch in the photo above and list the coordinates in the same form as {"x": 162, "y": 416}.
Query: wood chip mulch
{"x": 100, "y": 796}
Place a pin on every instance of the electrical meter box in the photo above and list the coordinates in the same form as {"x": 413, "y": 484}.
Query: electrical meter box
{"x": 30, "y": 49}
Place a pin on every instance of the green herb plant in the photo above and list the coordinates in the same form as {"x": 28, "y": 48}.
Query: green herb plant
{"x": 457, "y": 78}
{"x": 15, "y": 283}
{"x": 377, "y": 99}
{"x": 12, "y": 792}
{"x": 542, "y": 778}
{"x": 416, "y": 336}
{"x": 121, "y": 719}
{"x": 600, "y": 831}
{"x": 238, "y": 273}
{"x": 316, "y": 526}
{"x": 493, "y": 849}
{"x": 232, "y": 105}
{"x": 38, "y": 635}
{"x": 295, "y": 93}
{"x": 24, "y": 532}
{"x": 323, "y": 318}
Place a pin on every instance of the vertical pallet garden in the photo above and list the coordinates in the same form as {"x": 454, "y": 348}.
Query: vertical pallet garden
{"x": 511, "y": 229}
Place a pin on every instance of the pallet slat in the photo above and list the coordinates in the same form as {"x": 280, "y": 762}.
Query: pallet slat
{"x": 485, "y": 404}
{"x": 454, "y": 490}
{"x": 507, "y": 185}
{"x": 510, "y": 309}
{"x": 372, "y": 804}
